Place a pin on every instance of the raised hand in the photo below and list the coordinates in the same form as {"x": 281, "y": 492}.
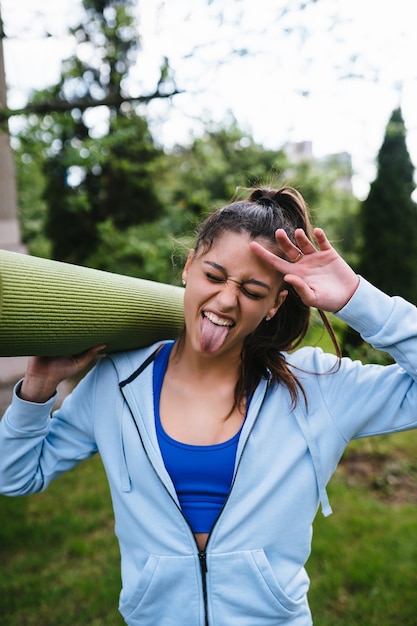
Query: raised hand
{"x": 319, "y": 275}
{"x": 43, "y": 374}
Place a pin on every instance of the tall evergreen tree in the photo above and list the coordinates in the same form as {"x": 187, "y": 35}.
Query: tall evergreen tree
{"x": 388, "y": 255}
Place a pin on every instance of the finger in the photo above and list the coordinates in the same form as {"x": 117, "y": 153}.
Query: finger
{"x": 321, "y": 238}
{"x": 88, "y": 357}
{"x": 291, "y": 251}
{"x": 90, "y": 351}
{"x": 303, "y": 242}
{"x": 303, "y": 290}
{"x": 284, "y": 242}
{"x": 278, "y": 263}
{"x": 100, "y": 348}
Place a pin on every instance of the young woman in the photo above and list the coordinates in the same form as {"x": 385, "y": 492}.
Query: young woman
{"x": 218, "y": 446}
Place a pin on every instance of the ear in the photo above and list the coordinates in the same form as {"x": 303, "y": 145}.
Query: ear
{"x": 188, "y": 262}
{"x": 281, "y": 297}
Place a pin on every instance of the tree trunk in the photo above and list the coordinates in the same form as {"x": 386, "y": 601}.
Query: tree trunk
{"x": 9, "y": 224}
{"x": 11, "y": 369}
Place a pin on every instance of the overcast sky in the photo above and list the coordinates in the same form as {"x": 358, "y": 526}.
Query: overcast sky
{"x": 283, "y": 89}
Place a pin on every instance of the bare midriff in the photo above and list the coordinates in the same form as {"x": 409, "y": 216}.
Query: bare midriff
{"x": 201, "y": 539}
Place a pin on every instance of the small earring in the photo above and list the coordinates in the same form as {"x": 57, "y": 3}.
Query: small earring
{"x": 268, "y": 319}
{"x": 184, "y": 282}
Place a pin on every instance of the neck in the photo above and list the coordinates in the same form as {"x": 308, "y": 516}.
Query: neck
{"x": 202, "y": 375}
{"x": 193, "y": 364}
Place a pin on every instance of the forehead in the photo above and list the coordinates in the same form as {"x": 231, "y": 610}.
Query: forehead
{"x": 232, "y": 253}
{"x": 236, "y": 240}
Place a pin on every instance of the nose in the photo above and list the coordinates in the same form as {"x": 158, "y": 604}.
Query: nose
{"x": 228, "y": 294}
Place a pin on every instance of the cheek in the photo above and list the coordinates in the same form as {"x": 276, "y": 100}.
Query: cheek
{"x": 189, "y": 299}
{"x": 193, "y": 297}
{"x": 253, "y": 316}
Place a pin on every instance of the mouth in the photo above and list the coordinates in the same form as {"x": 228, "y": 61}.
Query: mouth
{"x": 218, "y": 321}
{"x": 214, "y": 331}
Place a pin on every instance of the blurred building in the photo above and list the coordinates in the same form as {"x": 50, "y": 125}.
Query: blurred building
{"x": 299, "y": 151}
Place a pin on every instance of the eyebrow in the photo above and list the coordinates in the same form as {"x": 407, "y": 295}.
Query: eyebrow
{"x": 252, "y": 281}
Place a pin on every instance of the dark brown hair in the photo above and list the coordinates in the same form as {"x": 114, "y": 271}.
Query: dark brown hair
{"x": 260, "y": 215}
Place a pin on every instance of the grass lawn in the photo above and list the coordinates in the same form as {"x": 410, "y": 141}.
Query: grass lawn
{"x": 59, "y": 558}
{"x": 363, "y": 564}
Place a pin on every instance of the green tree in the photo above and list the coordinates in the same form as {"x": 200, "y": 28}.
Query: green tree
{"x": 115, "y": 183}
{"x": 388, "y": 256}
{"x": 325, "y": 184}
{"x": 388, "y": 230}
{"x": 92, "y": 192}
{"x": 32, "y": 208}
{"x": 213, "y": 170}
{"x": 91, "y": 178}
{"x": 193, "y": 180}
{"x": 210, "y": 171}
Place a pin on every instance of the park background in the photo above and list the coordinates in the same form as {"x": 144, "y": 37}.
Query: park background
{"x": 119, "y": 156}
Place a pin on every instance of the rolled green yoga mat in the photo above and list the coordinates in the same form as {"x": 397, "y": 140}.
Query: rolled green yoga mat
{"x": 49, "y": 308}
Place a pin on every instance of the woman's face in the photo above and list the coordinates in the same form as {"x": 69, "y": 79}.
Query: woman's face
{"x": 229, "y": 292}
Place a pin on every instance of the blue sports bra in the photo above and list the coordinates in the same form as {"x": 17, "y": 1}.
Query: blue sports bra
{"x": 202, "y": 475}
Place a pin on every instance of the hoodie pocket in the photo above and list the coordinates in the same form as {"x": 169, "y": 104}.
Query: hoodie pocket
{"x": 243, "y": 584}
{"x": 168, "y": 592}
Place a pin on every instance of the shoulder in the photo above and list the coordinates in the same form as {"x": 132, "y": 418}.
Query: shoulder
{"x": 311, "y": 360}
{"x": 127, "y": 362}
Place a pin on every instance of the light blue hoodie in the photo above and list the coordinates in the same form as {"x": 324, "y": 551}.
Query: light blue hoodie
{"x": 252, "y": 572}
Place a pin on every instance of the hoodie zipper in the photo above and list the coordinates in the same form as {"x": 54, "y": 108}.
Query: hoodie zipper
{"x": 202, "y": 554}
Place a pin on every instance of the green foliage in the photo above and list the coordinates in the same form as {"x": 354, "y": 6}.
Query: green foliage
{"x": 173, "y": 191}
{"x": 116, "y": 174}
{"x": 209, "y": 172}
{"x": 389, "y": 218}
{"x": 107, "y": 42}
{"x": 117, "y": 202}
{"x": 30, "y": 189}
{"x": 332, "y": 204}
{"x": 86, "y": 179}
{"x": 151, "y": 251}
{"x": 225, "y": 162}
{"x": 118, "y": 180}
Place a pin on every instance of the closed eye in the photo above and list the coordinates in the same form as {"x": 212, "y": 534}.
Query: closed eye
{"x": 251, "y": 294}
{"x": 219, "y": 276}
{"x": 216, "y": 278}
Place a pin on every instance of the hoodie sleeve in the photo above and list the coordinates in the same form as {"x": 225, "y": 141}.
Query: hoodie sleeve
{"x": 371, "y": 399}
{"x": 387, "y": 323}
{"x": 37, "y": 446}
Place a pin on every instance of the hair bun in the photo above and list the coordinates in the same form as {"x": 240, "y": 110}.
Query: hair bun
{"x": 259, "y": 196}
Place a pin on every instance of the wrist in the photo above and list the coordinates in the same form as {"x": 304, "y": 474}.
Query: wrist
{"x": 36, "y": 390}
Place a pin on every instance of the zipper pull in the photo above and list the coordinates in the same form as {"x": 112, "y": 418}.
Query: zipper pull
{"x": 203, "y": 561}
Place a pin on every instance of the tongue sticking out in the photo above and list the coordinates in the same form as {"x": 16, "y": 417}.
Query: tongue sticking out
{"x": 212, "y": 335}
